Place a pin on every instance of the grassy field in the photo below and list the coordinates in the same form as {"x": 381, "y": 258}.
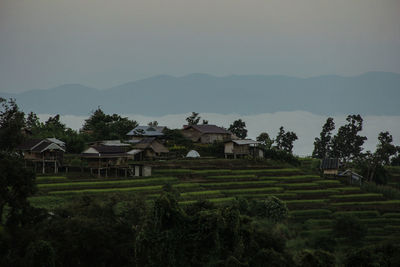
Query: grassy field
{"x": 313, "y": 201}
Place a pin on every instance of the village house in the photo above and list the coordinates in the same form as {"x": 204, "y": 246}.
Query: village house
{"x": 330, "y": 166}
{"x": 141, "y": 132}
{"x": 206, "y": 133}
{"x": 105, "y": 158}
{"x": 43, "y": 154}
{"x": 241, "y": 148}
{"x": 151, "y": 148}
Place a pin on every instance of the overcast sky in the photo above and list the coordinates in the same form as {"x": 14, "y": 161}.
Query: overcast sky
{"x": 101, "y": 43}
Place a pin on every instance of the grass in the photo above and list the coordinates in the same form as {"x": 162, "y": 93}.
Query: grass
{"x": 107, "y": 183}
{"x": 306, "y": 201}
{"x": 328, "y": 182}
{"x": 300, "y": 185}
{"x": 172, "y": 171}
{"x": 107, "y": 190}
{"x": 201, "y": 193}
{"x": 290, "y": 178}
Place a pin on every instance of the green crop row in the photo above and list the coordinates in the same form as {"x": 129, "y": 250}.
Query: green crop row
{"x": 266, "y": 195}
{"x": 252, "y": 190}
{"x": 233, "y": 177}
{"x": 314, "y": 212}
{"x": 201, "y": 193}
{"x": 108, "y": 183}
{"x": 306, "y": 201}
{"x": 359, "y": 213}
{"x": 290, "y": 178}
{"x": 172, "y": 171}
{"x": 391, "y": 215}
{"x": 107, "y": 190}
{"x": 348, "y": 189}
{"x": 300, "y": 185}
{"x": 211, "y": 172}
{"x": 387, "y": 202}
{"x": 237, "y": 183}
{"x": 327, "y": 182}
{"x": 315, "y": 192}
{"x": 370, "y": 195}
{"x": 382, "y": 221}
{"x": 212, "y": 200}
{"x": 288, "y": 170}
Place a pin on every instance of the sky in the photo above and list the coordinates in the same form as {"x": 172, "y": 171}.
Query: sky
{"x": 306, "y": 125}
{"x": 103, "y": 43}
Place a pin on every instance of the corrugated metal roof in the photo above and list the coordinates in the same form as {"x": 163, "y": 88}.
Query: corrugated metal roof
{"x": 330, "y": 163}
{"x": 147, "y": 131}
{"x": 246, "y": 142}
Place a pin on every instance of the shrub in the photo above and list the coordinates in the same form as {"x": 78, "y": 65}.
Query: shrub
{"x": 281, "y": 156}
{"x": 349, "y": 227}
{"x": 317, "y": 258}
{"x": 272, "y": 208}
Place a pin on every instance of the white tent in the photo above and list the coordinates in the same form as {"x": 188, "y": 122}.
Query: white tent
{"x": 193, "y": 154}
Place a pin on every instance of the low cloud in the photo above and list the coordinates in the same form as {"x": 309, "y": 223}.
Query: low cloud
{"x": 306, "y": 125}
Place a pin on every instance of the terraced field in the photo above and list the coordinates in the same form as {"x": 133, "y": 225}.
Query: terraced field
{"x": 313, "y": 201}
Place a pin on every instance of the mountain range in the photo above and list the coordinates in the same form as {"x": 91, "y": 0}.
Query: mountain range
{"x": 372, "y": 93}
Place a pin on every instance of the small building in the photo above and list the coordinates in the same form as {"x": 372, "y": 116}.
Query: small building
{"x": 206, "y": 133}
{"x": 151, "y": 148}
{"x": 141, "y": 132}
{"x": 43, "y": 154}
{"x": 241, "y": 148}
{"x": 107, "y": 155}
{"x": 330, "y": 166}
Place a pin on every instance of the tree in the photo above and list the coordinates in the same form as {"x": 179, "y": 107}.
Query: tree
{"x": 16, "y": 185}
{"x": 238, "y": 128}
{"x": 265, "y": 140}
{"x": 12, "y": 120}
{"x": 284, "y": 140}
{"x": 347, "y": 143}
{"x": 385, "y": 149}
{"x": 153, "y": 124}
{"x": 349, "y": 227}
{"x": 101, "y": 126}
{"x": 322, "y": 145}
{"x": 193, "y": 119}
{"x": 205, "y": 121}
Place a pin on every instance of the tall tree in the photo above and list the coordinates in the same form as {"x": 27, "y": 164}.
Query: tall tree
{"x": 12, "y": 120}
{"x": 347, "y": 143}
{"x": 284, "y": 140}
{"x": 238, "y": 128}
{"x": 153, "y": 124}
{"x": 385, "y": 148}
{"x": 101, "y": 126}
{"x": 322, "y": 145}
{"x": 265, "y": 140}
{"x": 193, "y": 119}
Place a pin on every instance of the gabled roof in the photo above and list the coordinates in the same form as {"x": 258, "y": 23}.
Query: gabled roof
{"x": 241, "y": 142}
{"x": 152, "y": 143}
{"x": 147, "y": 131}
{"x": 109, "y": 149}
{"x": 40, "y": 145}
{"x": 207, "y": 128}
{"x": 330, "y": 164}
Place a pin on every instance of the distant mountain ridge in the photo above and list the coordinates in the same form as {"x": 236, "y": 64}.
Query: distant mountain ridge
{"x": 372, "y": 93}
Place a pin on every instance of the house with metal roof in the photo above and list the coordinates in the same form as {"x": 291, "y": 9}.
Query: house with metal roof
{"x": 330, "y": 166}
{"x": 242, "y": 148}
{"x": 151, "y": 148}
{"x": 43, "y": 154}
{"x": 206, "y": 133}
{"x": 141, "y": 132}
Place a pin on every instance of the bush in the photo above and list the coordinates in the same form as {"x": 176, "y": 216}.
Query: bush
{"x": 281, "y": 156}
{"x": 349, "y": 227}
{"x": 318, "y": 258}
{"x": 272, "y": 208}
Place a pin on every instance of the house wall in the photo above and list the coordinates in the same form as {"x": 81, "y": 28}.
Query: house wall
{"x": 191, "y": 134}
{"x": 228, "y": 148}
{"x": 211, "y": 138}
{"x": 241, "y": 150}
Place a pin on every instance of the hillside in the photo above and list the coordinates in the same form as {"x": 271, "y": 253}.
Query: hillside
{"x": 243, "y": 94}
{"x": 313, "y": 201}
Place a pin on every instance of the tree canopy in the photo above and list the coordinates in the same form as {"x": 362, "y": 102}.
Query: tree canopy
{"x": 238, "y": 128}
{"x": 322, "y": 145}
{"x": 284, "y": 140}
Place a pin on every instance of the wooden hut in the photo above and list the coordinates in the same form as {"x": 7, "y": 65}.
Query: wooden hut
{"x": 206, "y": 133}
{"x": 241, "y": 148}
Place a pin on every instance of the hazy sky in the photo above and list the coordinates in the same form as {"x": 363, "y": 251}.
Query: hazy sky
{"x": 101, "y": 43}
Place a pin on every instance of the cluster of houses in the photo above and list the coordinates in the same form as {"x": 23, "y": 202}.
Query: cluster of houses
{"x": 143, "y": 143}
